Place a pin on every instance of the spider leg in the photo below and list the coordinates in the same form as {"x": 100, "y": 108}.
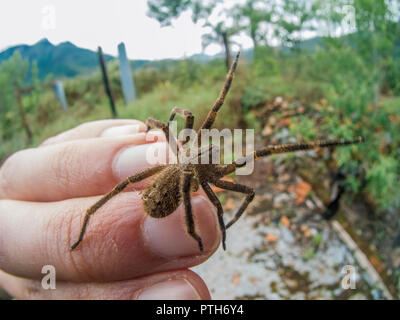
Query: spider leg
{"x": 208, "y": 122}
{"x": 187, "y": 177}
{"x": 117, "y": 189}
{"x": 187, "y": 115}
{"x": 238, "y": 188}
{"x": 157, "y": 124}
{"x": 285, "y": 148}
{"x": 220, "y": 211}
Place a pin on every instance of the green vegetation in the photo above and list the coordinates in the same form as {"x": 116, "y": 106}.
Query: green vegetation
{"x": 350, "y": 78}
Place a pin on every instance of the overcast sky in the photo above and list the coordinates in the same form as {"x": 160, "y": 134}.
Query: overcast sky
{"x": 90, "y": 23}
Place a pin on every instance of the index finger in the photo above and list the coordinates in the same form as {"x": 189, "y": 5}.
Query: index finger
{"x": 79, "y": 168}
{"x": 97, "y": 128}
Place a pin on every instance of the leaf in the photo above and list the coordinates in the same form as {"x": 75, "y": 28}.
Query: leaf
{"x": 285, "y": 221}
{"x": 302, "y": 190}
{"x": 271, "y": 238}
{"x": 285, "y": 122}
{"x": 377, "y": 263}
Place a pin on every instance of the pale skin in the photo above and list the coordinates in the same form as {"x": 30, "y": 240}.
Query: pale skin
{"x": 44, "y": 193}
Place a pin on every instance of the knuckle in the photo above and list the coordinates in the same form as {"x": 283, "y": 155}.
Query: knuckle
{"x": 85, "y": 125}
{"x": 64, "y": 163}
{"x": 7, "y": 171}
{"x": 56, "y": 139}
{"x": 61, "y": 137}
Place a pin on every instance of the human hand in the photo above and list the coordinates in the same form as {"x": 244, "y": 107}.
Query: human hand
{"x": 125, "y": 254}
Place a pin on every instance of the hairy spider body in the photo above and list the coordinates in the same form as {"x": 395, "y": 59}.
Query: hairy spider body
{"x": 163, "y": 195}
{"x": 174, "y": 183}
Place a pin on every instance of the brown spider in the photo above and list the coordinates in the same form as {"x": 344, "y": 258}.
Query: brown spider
{"x": 175, "y": 182}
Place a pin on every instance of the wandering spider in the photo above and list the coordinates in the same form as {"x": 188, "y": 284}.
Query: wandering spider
{"x": 175, "y": 182}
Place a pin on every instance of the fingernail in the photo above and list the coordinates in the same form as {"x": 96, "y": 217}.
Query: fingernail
{"x": 139, "y": 157}
{"x": 123, "y": 130}
{"x": 168, "y": 237}
{"x": 170, "y": 290}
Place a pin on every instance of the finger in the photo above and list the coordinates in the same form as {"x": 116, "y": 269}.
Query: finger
{"x": 100, "y": 128}
{"x": 78, "y": 168}
{"x": 121, "y": 240}
{"x": 172, "y": 285}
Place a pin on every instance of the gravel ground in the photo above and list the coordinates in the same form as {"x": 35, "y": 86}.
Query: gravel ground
{"x": 254, "y": 267}
{"x": 301, "y": 257}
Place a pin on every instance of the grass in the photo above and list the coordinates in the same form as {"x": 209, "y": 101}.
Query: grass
{"x": 158, "y": 104}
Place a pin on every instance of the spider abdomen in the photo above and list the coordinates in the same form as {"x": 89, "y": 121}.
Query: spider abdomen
{"x": 163, "y": 196}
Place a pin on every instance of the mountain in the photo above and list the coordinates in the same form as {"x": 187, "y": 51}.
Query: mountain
{"x": 62, "y": 60}
{"x": 68, "y": 60}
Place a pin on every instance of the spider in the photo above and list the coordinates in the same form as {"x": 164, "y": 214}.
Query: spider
{"x": 174, "y": 183}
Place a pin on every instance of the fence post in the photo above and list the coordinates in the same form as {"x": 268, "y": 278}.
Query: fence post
{"x": 128, "y": 87}
{"x": 60, "y": 94}
{"x": 22, "y": 113}
{"x": 106, "y": 82}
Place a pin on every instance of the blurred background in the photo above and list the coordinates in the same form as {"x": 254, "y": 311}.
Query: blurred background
{"x": 309, "y": 69}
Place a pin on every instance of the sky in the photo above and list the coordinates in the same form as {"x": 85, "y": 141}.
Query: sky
{"x": 90, "y": 23}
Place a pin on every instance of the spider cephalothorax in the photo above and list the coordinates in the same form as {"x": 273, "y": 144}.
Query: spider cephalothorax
{"x": 174, "y": 183}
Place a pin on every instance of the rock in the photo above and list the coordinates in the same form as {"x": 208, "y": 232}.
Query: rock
{"x": 310, "y": 204}
{"x": 283, "y": 197}
{"x": 313, "y": 231}
{"x": 278, "y": 100}
{"x": 283, "y": 134}
{"x": 286, "y": 235}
